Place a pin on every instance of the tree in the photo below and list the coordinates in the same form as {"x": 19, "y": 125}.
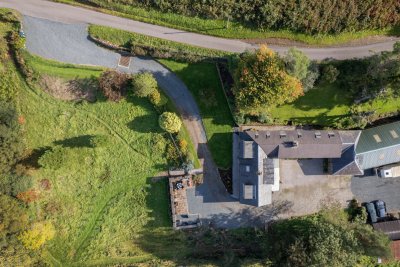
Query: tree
{"x": 10, "y": 142}
{"x": 144, "y": 84}
{"x": 330, "y": 73}
{"x": 261, "y": 82}
{"x": 325, "y": 239}
{"x": 299, "y": 65}
{"x": 170, "y": 122}
{"x": 38, "y": 235}
{"x": 13, "y": 220}
{"x": 113, "y": 84}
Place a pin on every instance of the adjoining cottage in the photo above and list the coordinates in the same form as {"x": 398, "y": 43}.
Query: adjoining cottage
{"x": 256, "y": 155}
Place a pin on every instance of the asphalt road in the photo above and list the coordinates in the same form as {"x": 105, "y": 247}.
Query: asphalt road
{"x": 69, "y": 14}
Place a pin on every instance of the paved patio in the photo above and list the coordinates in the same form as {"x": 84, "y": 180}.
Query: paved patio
{"x": 304, "y": 184}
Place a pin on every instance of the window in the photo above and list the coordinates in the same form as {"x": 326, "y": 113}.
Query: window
{"x": 381, "y": 156}
{"x": 377, "y": 138}
{"x": 394, "y": 134}
{"x": 247, "y": 168}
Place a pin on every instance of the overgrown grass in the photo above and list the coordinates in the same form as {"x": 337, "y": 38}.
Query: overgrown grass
{"x": 218, "y": 27}
{"x": 203, "y": 81}
{"x": 123, "y": 38}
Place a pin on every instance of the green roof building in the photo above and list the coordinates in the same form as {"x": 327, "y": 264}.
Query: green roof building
{"x": 378, "y": 146}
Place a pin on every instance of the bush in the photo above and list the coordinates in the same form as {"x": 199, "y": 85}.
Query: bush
{"x": 113, "y": 84}
{"x": 264, "y": 118}
{"x": 10, "y": 139}
{"x": 38, "y": 235}
{"x": 172, "y": 155}
{"x": 239, "y": 118}
{"x": 170, "y": 122}
{"x": 155, "y": 98}
{"x": 329, "y": 73}
{"x": 53, "y": 159}
{"x": 144, "y": 84}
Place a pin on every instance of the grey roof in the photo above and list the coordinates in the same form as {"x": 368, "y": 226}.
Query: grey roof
{"x": 296, "y": 144}
{"x": 391, "y": 228}
{"x": 379, "y": 137}
{"x": 268, "y": 171}
{"x": 249, "y": 180}
{"x": 346, "y": 164}
{"x": 350, "y": 136}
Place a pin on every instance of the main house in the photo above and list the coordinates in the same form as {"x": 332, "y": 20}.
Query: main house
{"x": 256, "y": 155}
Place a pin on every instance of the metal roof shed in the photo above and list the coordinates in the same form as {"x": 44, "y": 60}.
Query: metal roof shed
{"x": 379, "y": 146}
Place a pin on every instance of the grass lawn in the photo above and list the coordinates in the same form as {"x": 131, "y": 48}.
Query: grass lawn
{"x": 63, "y": 70}
{"x": 218, "y": 27}
{"x": 321, "y": 106}
{"x": 203, "y": 81}
{"x": 327, "y": 103}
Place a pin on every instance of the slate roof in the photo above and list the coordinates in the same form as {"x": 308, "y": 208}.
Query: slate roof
{"x": 251, "y": 176}
{"x": 346, "y": 164}
{"x": 390, "y": 228}
{"x": 296, "y": 144}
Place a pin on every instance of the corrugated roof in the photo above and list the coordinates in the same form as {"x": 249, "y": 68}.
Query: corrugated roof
{"x": 379, "y": 137}
{"x": 391, "y": 228}
{"x": 380, "y": 157}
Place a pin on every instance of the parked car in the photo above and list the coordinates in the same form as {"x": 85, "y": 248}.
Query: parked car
{"x": 22, "y": 34}
{"x": 380, "y": 208}
{"x": 371, "y": 212}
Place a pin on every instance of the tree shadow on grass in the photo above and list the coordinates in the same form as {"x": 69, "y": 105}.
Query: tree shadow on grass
{"x": 75, "y": 142}
{"x": 31, "y": 160}
{"x": 145, "y": 124}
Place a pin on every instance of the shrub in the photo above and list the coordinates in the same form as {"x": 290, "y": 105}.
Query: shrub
{"x": 53, "y": 159}
{"x": 239, "y": 118}
{"x": 172, "y": 155}
{"x": 170, "y": 122}
{"x": 264, "y": 117}
{"x": 113, "y": 84}
{"x": 329, "y": 73}
{"x": 10, "y": 140}
{"x": 38, "y": 235}
{"x": 155, "y": 98}
{"x": 144, "y": 84}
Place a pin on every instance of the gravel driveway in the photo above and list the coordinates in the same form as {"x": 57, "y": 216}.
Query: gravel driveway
{"x": 69, "y": 43}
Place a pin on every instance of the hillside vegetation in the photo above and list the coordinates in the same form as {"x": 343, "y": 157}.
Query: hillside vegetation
{"x": 312, "y": 22}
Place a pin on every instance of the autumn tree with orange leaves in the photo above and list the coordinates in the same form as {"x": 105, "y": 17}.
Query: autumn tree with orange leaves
{"x": 262, "y": 82}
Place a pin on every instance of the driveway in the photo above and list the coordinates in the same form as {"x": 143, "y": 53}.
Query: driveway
{"x": 306, "y": 187}
{"x": 370, "y": 188}
{"x": 69, "y": 43}
{"x": 71, "y": 14}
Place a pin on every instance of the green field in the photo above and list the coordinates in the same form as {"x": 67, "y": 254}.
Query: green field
{"x": 203, "y": 81}
{"x": 218, "y": 27}
{"x": 100, "y": 198}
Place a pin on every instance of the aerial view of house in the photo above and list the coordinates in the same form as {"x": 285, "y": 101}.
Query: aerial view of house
{"x": 199, "y": 133}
